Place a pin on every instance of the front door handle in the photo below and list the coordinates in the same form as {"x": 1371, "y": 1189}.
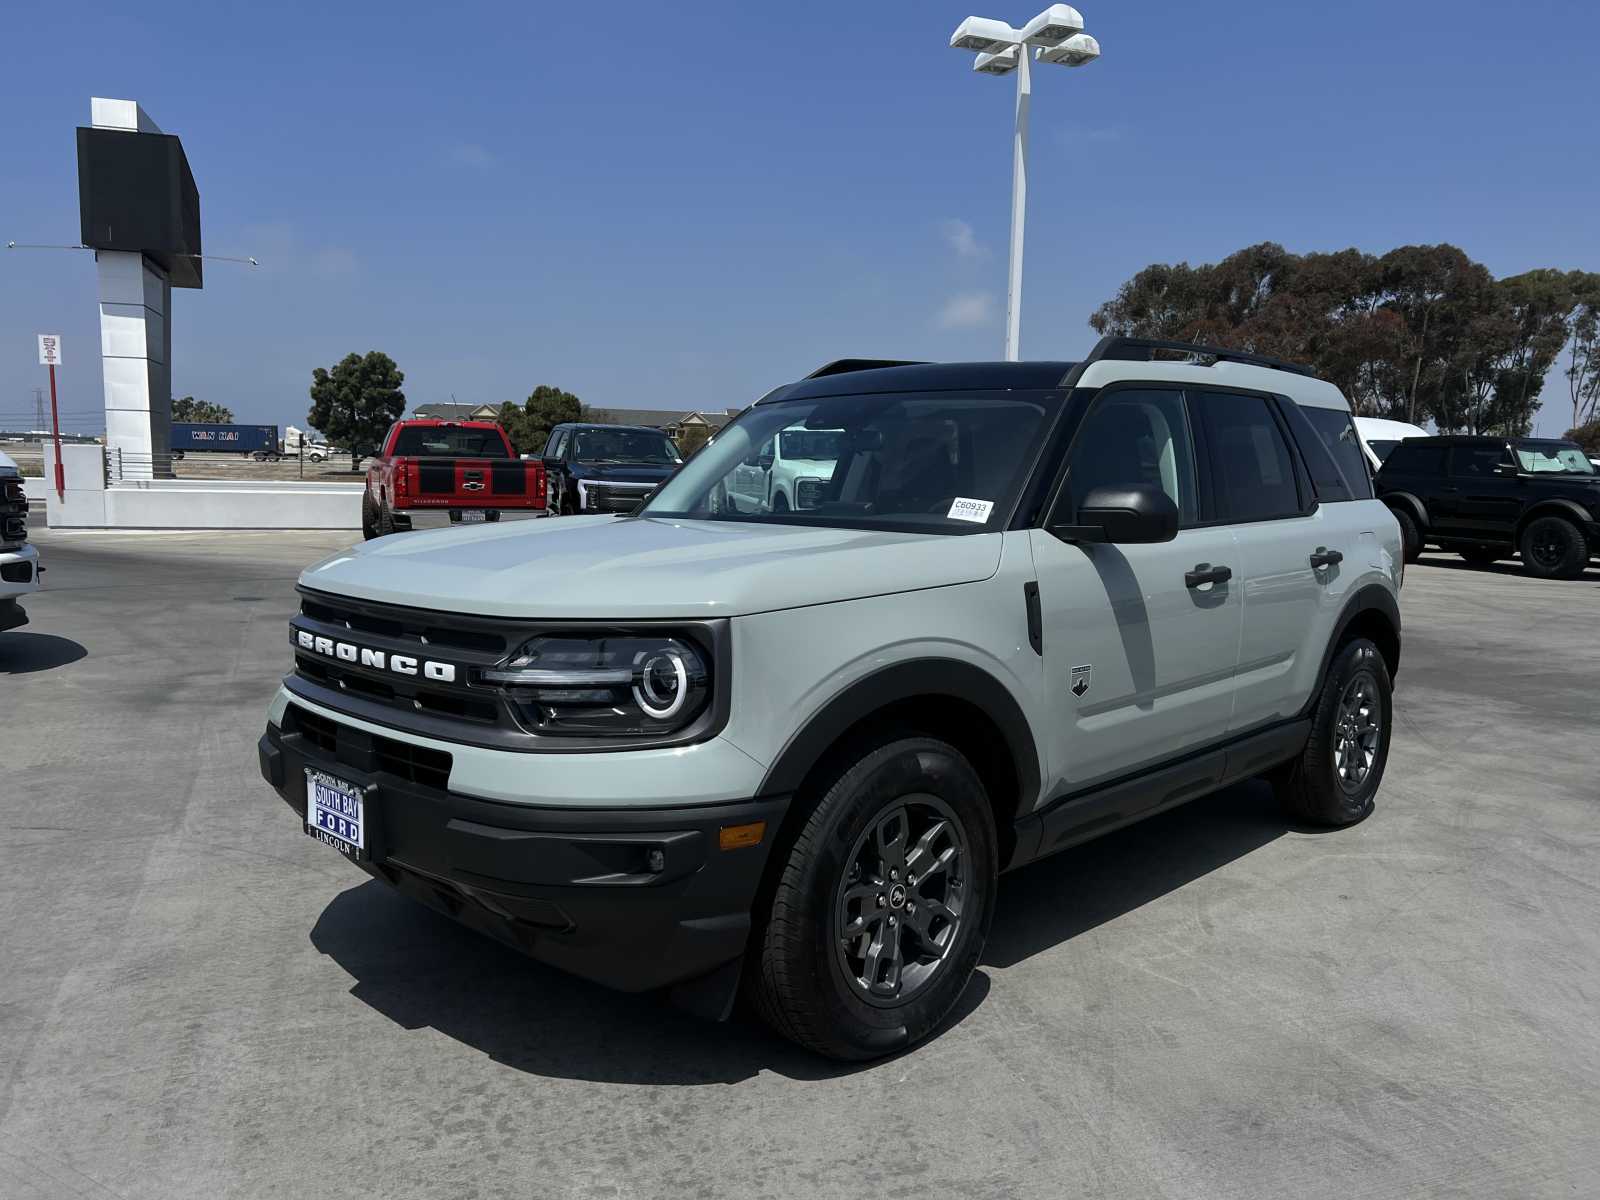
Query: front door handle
{"x": 1323, "y": 557}
{"x": 1205, "y": 573}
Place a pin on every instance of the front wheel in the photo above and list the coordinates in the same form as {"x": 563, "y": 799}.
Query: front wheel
{"x": 1554, "y": 548}
{"x": 883, "y": 904}
{"x": 1336, "y": 776}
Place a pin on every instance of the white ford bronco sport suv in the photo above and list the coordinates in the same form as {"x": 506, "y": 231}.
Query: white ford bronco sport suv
{"x": 701, "y": 747}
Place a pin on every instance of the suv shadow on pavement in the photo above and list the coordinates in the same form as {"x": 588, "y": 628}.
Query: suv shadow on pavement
{"x": 1509, "y": 567}
{"x": 422, "y": 970}
{"x": 24, "y": 653}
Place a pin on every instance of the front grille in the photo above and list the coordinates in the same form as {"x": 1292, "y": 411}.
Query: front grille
{"x": 419, "y": 698}
{"x": 601, "y": 498}
{"x": 13, "y": 513}
{"x": 807, "y": 493}
{"x": 364, "y": 752}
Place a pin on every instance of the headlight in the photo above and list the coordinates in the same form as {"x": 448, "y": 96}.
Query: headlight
{"x": 621, "y": 684}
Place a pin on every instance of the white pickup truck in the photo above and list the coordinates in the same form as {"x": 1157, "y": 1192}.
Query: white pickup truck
{"x": 19, "y": 562}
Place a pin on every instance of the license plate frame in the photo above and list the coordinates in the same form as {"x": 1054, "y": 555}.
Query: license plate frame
{"x": 339, "y": 814}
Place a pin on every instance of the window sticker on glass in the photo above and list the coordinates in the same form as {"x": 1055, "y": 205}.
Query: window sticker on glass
{"x": 962, "y": 509}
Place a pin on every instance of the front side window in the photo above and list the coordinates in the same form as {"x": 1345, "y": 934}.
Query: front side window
{"x": 1476, "y": 462}
{"x": 1553, "y": 458}
{"x": 1253, "y": 473}
{"x": 624, "y": 446}
{"x": 936, "y": 462}
{"x": 449, "y": 441}
{"x": 1136, "y": 437}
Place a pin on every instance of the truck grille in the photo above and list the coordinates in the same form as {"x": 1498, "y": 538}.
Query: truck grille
{"x": 600, "y": 497}
{"x": 13, "y": 513}
{"x": 363, "y": 752}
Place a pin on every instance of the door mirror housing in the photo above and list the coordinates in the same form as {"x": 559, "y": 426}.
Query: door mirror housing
{"x": 1130, "y": 514}
{"x": 1508, "y": 470}
{"x": 766, "y": 460}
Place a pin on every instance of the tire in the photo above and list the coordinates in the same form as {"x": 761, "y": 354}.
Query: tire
{"x": 1481, "y": 556}
{"x": 386, "y": 524}
{"x": 1554, "y": 548}
{"x": 780, "y": 503}
{"x": 809, "y": 978}
{"x": 1333, "y": 780}
{"x": 1410, "y": 535}
{"x": 369, "y": 517}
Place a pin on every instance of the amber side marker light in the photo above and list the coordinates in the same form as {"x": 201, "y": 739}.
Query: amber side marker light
{"x": 736, "y": 837}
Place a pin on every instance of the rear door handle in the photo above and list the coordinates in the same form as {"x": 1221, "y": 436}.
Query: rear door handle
{"x": 1323, "y": 557}
{"x": 1205, "y": 573}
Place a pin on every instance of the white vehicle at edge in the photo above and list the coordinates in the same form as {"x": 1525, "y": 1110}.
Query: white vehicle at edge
{"x": 1379, "y": 436}
{"x": 787, "y": 472}
{"x": 19, "y": 562}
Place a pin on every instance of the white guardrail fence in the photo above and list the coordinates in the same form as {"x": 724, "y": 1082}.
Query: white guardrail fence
{"x": 113, "y": 488}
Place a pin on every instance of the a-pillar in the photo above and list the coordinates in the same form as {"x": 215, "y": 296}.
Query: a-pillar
{"x": 135, "y": 334}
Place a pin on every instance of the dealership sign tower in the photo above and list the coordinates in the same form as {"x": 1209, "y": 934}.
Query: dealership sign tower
{"x": 140, "y": 212}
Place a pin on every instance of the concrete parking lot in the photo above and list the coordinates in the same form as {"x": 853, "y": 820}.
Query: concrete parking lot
{"x": 196, "y": 1000}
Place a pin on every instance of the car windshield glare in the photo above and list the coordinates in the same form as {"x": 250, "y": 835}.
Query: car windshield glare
{"x": 624, "y": 446}
{"x": 939, "y": 462}
{"x": 1553, "y": 458}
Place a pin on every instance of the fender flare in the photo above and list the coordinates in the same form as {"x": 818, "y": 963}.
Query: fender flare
{"x": 1372, "y": 597}
{"x": 1554, "y": 506}
{"x": 1414, "y": 507}
{"x": 913, "y": 679}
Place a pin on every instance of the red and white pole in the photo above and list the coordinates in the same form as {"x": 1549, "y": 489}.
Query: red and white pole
{"x": 55, "y": 427}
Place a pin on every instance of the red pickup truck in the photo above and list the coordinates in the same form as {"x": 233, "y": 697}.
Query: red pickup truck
{"x": 465, "y": 468}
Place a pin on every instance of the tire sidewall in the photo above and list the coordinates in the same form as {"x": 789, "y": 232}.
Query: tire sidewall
{"x": 1337, "y": 805}
{"x": 1572, "y": 562}
{"x": 1410, "y": 535}
{"x": 895, "y": 771}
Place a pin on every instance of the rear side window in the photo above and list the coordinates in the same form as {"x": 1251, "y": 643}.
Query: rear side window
{"x": 1476, "y": 462}
{"x": 1336, "y": 444}
{"x": 1410, "y": 458}
{"x": 1251, "y": 468}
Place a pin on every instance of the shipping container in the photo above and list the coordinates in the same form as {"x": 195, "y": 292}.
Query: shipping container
{"x": 189, "y": 437}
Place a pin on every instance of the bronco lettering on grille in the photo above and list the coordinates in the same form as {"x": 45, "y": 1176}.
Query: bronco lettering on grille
{"x": 378, "y": 660}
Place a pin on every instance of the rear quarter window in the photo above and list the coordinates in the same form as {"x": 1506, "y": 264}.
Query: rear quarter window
{"x": 1334, "y": 446}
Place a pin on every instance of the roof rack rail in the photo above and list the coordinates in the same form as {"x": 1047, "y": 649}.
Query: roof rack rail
{"x": 843, "y": 366}
{"x": 1137, "y": 349}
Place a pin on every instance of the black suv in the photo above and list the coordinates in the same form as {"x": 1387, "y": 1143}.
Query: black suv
{"x": 605, "y": 468}
{"x": 1491, "y": 497}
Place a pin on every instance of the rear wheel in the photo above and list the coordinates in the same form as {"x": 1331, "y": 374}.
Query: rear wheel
{"x": 1554, "y": 548}
{"x": 369, "y": 517}
{"x": 1334, "y": 779}
{"x": 1410, "y": 535}
{"x": 1481, "y": 556}
{"x": 386, "y": 524}
{"x": 883, "y": 904}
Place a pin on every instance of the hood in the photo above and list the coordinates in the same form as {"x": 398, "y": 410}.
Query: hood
{"x": 8, "y": 465}
{"x": 605, "y": 568}
{"x": 624, "y": 472}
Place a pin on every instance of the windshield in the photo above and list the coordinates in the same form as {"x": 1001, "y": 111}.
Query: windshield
{"x": 429, "y": 441}
{"x": 941, "y": 462}
{"x": 624, "y": 446}
{"x": 1553, "y": 458}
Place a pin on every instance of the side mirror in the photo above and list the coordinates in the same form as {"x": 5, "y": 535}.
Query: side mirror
{"x": 1510, "y": 470}
{"x": 766, "y": 460}
{"x": 1129, "y": 514}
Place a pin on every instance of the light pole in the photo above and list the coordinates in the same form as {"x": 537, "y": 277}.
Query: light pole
{"x": 1054, "y": 36}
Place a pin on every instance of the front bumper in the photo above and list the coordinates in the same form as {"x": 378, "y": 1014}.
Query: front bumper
{"x": 19, "y": 571}
{"x": 572, "y": 887}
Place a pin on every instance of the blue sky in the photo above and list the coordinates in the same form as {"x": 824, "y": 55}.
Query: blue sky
{"x": 667, "y": 210}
